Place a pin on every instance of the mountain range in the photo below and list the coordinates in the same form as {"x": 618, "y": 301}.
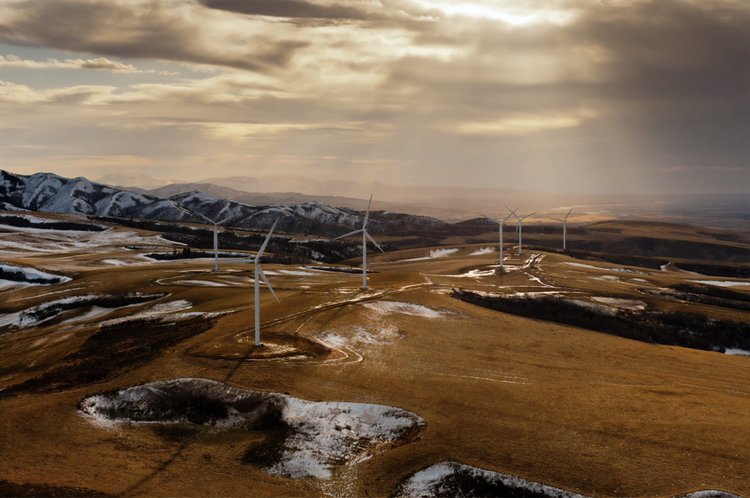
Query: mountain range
{"x": 52, "y": 193}
{"x": 454, "y": 204}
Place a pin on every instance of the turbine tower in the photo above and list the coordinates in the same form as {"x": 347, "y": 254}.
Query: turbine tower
{"x": 500, "y": 229}
{"x": 365, "y": 236}
{"x": 519, "y": 227}
{"x": 216, "y": 237}
{"x": 259, "y": 273}
{"x": 564, "y": 221}
{"x": 209, "y": 220}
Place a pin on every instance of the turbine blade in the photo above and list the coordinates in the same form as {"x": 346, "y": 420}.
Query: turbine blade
{"x": 566, "y": 216}
{"x": 348, "y": 234}
{"x": 373, "y": 241}
{"x": 532, "y": 214}
{"x": 491, "y": 219}
{"x": 243, "y": 260}
{"x": 189, "y": 212}
{"x": 367, "y": 214}
{"x": 205, "y": 218}
{"x": 512, "y": 211}
{"x": 268, "y": 284}
{"x": 265, "y": 242}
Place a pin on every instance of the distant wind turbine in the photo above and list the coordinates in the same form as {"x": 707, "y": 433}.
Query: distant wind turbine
{"x": 500, "y": 229}
{"x": 519, "y": 228}
{"x": 564, "y": 221}
{"x": 216, "y": 229}
{"x": 259, "y": 273}
{"x": 365, "y": 236}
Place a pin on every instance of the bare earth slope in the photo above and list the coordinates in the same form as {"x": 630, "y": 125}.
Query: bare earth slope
{"x": 583, "y": 411}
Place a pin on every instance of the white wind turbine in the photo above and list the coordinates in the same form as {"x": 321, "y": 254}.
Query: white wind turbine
{"x": 519, "y": 228}
{"x": 500, "y": 228}
{"x": 564, "y": 221}
{"x": 259, "y": 273}
{"x": 216, "y": 230}
{"x": 365, "y": 236}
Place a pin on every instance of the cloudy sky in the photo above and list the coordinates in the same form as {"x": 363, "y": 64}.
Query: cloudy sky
{"x": 546, "y": 95}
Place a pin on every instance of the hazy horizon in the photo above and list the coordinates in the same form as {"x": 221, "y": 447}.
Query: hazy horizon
{"x": 568, "y": 96}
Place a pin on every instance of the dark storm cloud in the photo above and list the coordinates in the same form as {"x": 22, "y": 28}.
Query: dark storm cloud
{"x": 684, "y": 71}
{"x": 669, "y": 49}
{"x": 290, "y": 9}
{"x": 154, "y": 32}
{"x": 662, "y": 57}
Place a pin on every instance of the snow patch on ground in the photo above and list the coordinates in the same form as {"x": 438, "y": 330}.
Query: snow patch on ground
{"x": 389, "y": 307}
{"x": 315, "y": 436}
{"x": 30, "y": 317}
{"x": 205, "y": 283}
{"x": 440, "y": 480}
{"x": 37, "y": 315}
{"x": 30, "y": 276}
{"x": 329, "y": 432}
{"x": 440, "y": 253}
{"x": 300, "y": 273}
{"x": 619, "y": 270}
{"x": 94, "y": 312}
{"x": 597, "y": 308}
{"x": 476, "y": 273}
{"x": 34, "y": 219}
{"x": 168, "y": 310}
{"x": 22, "y": 241}
{"x": 169, "y": 307}
{"x": 722, "y": 283}
{"x": 709, "y": 493}
{"x": 625, "y": 304}
{"x": 116, "y": 262}
{"x": 435, "y": 253}
{"x": 360, "y": 336}
{"x": 735, "y": 351}
{"x": 483, "y": 250}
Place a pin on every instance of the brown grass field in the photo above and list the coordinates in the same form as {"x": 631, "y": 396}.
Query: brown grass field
{"x": 584, "y": 411}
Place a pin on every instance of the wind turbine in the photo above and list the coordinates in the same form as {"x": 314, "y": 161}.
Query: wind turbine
{"x": 501, "y": 224}
{"x": 365, "y": 236}
{"x": 519, "y": 228}
{"x": 216, "y": 229}
{"x": 564, "y": 221}
{"x": 259, "y": 273}
{"x": 216, "y": 237}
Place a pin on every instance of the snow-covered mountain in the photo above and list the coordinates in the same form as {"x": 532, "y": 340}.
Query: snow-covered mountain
{"x": 52, "y": 193}
{"x": 310, "y": 218}
{"x": 55, "y": 194}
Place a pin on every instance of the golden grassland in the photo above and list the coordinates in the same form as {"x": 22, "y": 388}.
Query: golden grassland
{"x": 580, "y": 410}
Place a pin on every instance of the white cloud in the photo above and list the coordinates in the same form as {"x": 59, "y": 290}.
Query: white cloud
{"x": 100, "y": 63}
{"x": 523, "y": 124}
{"x": 12, "y": 93}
